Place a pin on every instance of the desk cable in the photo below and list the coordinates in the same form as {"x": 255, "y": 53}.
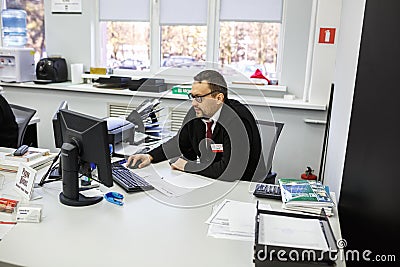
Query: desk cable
{"x": 43, "y": 180}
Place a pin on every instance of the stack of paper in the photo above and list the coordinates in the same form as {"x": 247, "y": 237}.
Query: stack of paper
{"x": 9, "y": 164}
{"x": 234, "y": 220}
{"x": 306, "y": 196}
{"x": 32, "y": 154}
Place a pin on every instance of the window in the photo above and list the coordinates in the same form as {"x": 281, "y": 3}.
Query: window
{"x": 248, "y": 46}
{"x": 125, "y": 34}
{"x": 127, "y": 45}
{"x": 249, "y": 36}
{"x": 183, "y": 32}
{"x": 35, "y": 23}
{"x": 180, "y": 34}
{"x": 183, "y": 46}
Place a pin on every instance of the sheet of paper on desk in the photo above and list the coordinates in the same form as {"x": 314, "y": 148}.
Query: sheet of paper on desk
{"x": 4, "y": 229}
{"x": 234, "y": 220}
{"x": 186, "y": 180}
{"x": 94, "y": 192}
{"x": 163, "y": 186}
{"x": 293, "y": 232}
{"x": 242, "y": 217}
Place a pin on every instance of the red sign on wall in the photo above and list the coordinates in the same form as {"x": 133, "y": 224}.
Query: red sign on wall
{"x": 327, "y": 35}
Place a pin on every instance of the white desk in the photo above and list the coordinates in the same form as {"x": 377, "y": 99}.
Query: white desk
{"x": 143, "y": 232}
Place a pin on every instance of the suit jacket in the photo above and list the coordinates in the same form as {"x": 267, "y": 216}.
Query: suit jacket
{"x": 235, "y": 129}
{"x": 8, "y": 125}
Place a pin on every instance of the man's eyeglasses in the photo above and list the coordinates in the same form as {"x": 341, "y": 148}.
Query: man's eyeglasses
{"x": 199, "y": 98}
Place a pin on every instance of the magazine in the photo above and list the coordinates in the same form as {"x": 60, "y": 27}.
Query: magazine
{"x": 308, "y": 193}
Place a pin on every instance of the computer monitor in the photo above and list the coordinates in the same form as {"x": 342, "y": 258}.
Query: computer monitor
{"x": 85, "y": 141}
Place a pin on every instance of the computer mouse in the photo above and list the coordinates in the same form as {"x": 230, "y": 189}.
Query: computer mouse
{"x": 21, "y": 150}
{"x": 136, "y": 165}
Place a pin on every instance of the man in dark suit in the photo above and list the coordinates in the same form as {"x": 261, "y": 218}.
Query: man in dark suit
{"x": 219, "y": 137}
{"x": 8, "y": 125}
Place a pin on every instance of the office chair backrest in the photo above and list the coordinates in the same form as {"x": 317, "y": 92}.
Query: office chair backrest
{"x": 22, "y": 115}
{"x": 269, "y": 133}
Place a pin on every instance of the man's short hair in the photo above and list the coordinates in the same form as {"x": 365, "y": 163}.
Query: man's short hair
{"x": 215, "y": 79}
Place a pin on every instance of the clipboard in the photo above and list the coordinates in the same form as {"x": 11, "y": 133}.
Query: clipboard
{"x": 292, "y": 255}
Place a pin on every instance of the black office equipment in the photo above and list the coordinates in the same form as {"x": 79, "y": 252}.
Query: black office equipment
{"x": 272, "y": 191}
{"x": 145, "y": 118}
{"x": 120, "y": 130}
{"x": 148, "y": 85}
{"x": 85, "y": 142}
{"x": 128, "y": 180}
{"x": 112, "y": 82}
{"x": 287, "y": 255}
{"x": 51, "y": 70}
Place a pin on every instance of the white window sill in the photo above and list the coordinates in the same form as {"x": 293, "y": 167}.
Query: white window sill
{"x": 174, "y": 80}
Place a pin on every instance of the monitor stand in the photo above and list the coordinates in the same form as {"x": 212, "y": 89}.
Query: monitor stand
{"x": 80, "y": 202}
{"x": 70, "y": 195}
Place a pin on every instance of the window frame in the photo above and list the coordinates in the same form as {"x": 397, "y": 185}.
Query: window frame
{"x": 212, "y": 46}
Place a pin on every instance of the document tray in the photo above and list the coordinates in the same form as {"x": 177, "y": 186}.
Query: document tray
{"x": 267, "y": 255}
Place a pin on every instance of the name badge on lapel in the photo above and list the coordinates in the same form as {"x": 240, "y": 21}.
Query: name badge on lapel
{"x": 217, "y": 148}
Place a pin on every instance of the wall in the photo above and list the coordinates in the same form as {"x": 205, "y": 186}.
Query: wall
{"x": 346, "y": 69}
{"x": 324, "y": 55}
{"x": 72, "y": 36}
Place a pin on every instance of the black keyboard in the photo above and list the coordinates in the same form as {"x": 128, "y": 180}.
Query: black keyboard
{"x": 129, "y": 181}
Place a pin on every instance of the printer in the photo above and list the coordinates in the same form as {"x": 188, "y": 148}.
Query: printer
{"x": 120, "y": 130}
{"x": 17, "y": 64}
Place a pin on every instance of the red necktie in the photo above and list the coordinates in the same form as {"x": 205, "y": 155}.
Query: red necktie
{"x": 209, "y": 132}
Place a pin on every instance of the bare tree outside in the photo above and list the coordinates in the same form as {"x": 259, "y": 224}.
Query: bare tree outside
{"x": 128, "y": 42}
{"x": 182, "y": 44}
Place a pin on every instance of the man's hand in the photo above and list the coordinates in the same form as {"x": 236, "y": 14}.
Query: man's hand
{"x": 145, "y": 158}
{"x": 179, "y": 164}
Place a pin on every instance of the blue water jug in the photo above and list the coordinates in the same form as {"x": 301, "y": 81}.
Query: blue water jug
{"x": 14, "y": 27}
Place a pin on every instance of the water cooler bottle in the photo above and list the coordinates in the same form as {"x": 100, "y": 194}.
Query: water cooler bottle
{"x": 14, "y": 27}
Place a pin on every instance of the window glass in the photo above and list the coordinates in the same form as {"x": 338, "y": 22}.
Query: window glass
{"x": 183, "y": 46}
{"x": 248, "y": 46}
{"x": 126, "y": 45}
{"x": 35, "y": 23}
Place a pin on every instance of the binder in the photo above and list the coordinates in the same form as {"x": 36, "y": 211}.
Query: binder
{"x": 290, "y": 255}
